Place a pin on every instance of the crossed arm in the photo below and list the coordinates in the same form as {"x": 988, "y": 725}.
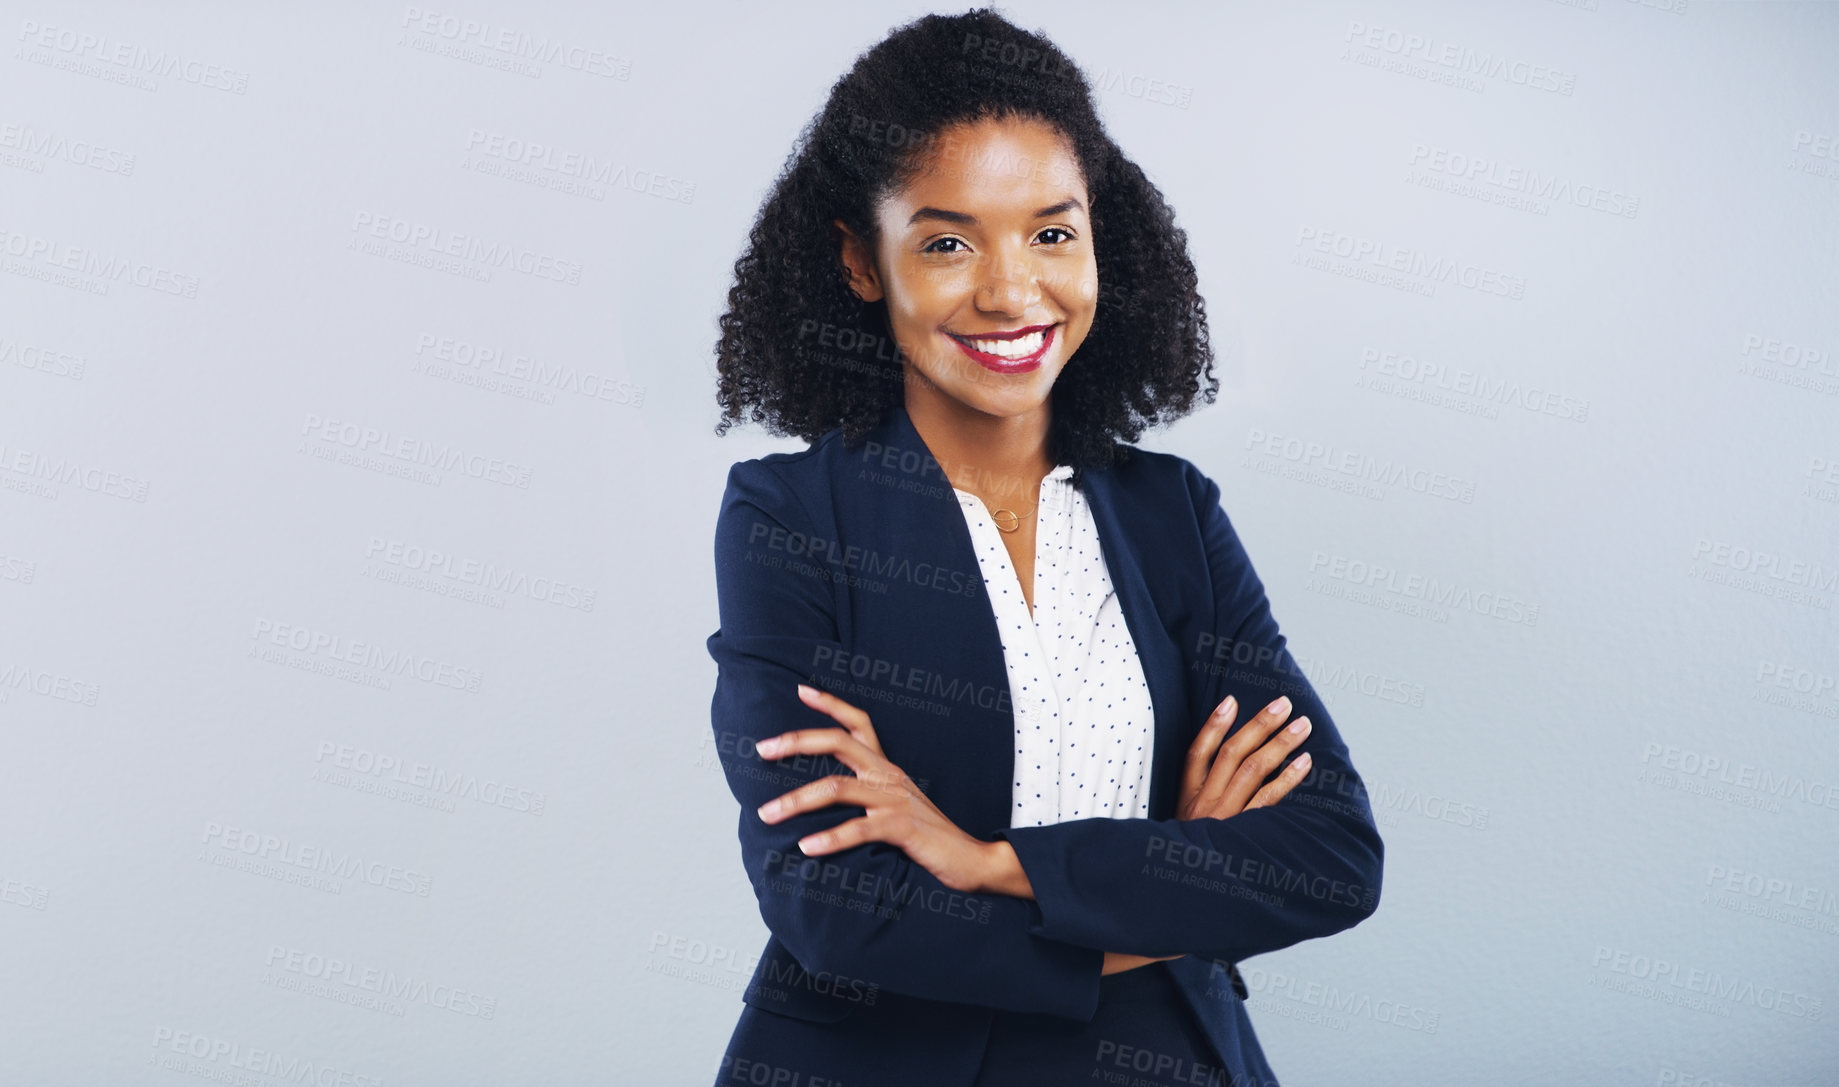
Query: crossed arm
{"x": 1220, "y": 779}
{"x": 1026, "y": 922}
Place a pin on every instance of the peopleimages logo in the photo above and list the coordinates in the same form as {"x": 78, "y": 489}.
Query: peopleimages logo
{"x": 1799, "y": 572}
{"x": 1429, "y": 268}
{"x": 1488, "y": 171}
{"x": 545, "y": 159}
{"x": 896, "y": 674}
{"x": 285, "y": 853}
{"x": 1673, "y": 982}
{"x": 229, "y": 1061}
{"x": 427, "y": 239}
{"x": 89, "y": 269}
{"x": 1360, "y": 465}
{"x": 1715, "y": 770}
{"x": 323, "y": 645}
{"x": 130, "y": 57}
{"x": 452, "y": 784}
{"x": 1415, "y": 371}
{"x": 22, "y": 677}
{"x": 515, "y": 44}
{"x": 410, "y": 450}
{"x": 483, "y": 574}
{"x": 1771, "y": 889}
{"x": 1460, "y": 59}
{"x": 42, "y": 143}
{"x": 32, "y": 466}
{"x": 548, "y": 377}
{"x": 764, "y": 535}
{"x": 385, "y": 984}
{"x": 1418, "y": 587}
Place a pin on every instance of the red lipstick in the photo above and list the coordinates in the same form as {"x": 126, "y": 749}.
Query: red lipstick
{"x": 1000, "y": 364}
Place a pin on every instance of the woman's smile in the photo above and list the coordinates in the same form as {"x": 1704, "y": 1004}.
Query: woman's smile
{"x": 1008, "y": 352}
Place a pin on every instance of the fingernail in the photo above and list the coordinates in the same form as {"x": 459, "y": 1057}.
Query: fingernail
{"x": 1300, "y": 725}
{"x": 1228, "y": 707}
{"x": 767, "y": 747}
{"x": 769, "y": 809}
{"x": 1281, "y": 706}
{"x": 807, "y": 693}
{"x": 1302, "y": 762}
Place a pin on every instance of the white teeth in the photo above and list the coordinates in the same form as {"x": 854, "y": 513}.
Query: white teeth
{"x": 1021, "y": 347}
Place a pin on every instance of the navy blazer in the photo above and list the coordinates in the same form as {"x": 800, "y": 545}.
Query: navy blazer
{"x": 851, "y": 568}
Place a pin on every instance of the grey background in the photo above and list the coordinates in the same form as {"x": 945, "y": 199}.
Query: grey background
{"x": 1637, "y": 765}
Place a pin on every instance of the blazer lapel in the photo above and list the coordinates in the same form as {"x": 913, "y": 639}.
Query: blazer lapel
{"x": 1123, "y": 532}
{"x": 898, "y": 499}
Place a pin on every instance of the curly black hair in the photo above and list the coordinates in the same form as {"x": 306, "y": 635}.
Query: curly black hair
{"x": 801, "y": 354}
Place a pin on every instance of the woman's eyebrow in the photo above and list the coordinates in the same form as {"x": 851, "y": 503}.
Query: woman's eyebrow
{"x": 960, "y": 217}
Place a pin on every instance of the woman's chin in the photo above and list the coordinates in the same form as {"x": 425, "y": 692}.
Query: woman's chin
{"x": 1001, "y": 395}
{"x": 1007, "y": 395}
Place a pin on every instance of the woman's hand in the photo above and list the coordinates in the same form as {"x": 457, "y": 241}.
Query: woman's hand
{"x": 1220, "y": 781}
{"x": 898, "y": 813}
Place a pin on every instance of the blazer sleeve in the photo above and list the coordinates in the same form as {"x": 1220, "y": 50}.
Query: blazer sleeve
{"x": 1226, "y": 889}
{"x": 867, "y": 914}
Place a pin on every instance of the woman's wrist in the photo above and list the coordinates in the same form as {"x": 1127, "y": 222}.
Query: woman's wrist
{"x": 1002, "y": 871}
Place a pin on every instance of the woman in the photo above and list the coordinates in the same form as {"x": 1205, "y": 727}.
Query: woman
{"x": 981, "y": 661}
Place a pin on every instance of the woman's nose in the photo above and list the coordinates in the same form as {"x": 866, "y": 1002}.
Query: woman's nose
{"x": 1010, "y": 284}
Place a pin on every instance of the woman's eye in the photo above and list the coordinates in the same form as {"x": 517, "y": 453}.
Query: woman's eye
{"x": 1053, "y": 235}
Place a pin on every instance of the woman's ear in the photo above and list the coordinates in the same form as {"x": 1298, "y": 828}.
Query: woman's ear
{"x": 859, "y": 264}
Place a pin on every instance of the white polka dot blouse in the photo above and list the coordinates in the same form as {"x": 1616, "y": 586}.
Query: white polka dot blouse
{"x": 1083, "y": 718}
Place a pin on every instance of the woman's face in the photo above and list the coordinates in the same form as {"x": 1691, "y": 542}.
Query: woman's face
{"x": 987, "y": 266}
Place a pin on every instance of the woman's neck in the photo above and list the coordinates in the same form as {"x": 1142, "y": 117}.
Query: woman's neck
{"x": 1001, "y": 459}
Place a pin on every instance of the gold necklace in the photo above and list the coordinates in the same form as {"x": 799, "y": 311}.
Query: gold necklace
{"x": 1015, "y": 519}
